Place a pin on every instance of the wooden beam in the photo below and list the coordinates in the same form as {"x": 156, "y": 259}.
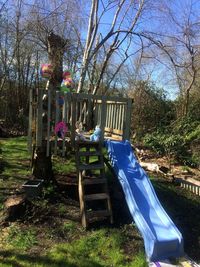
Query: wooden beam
{"x": 127, "y": 121}
{"x": 48, "y": 123}
{"x": 30, "y": 120}
{"x": 39, "y": 127}
{"x": 103, "y": 116}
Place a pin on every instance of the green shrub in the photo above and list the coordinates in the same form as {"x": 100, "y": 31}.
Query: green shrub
{"x": 180, "y": 141}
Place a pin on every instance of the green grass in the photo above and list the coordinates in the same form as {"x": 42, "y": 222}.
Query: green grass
{"x": 183, "y": 208}
{"x": 98, "y": 248}
{"x": 61, "y": 165}
{"x": 15, "y": 166}
{"x": 21, "y": 238}
{"x": 50, "y": 234}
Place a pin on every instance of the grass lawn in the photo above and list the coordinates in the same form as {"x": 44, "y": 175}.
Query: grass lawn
{"x": 50, "y": 234}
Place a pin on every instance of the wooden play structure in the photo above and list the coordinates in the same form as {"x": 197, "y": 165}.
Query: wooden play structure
{"x": 112, "y": 114}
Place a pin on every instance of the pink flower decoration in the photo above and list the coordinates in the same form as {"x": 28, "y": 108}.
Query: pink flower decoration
{"x": 61, "y": 129}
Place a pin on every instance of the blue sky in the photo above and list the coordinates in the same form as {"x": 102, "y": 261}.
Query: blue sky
{"x": 184, "y": 11}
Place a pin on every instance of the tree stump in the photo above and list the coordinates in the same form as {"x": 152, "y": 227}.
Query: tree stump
{"x": 14, "y": 208}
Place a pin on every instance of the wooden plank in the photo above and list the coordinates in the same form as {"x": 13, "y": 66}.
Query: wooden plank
{"x": 115, "y": 117}
{"x": 89, "y": 153}
{"x": 83, "y": 167}
{"x": 107, "y": 115}
{"x": 98, "y": 214}
{"x": 111, "y": 116}
{"x": 99, "y": 196}
{"x": 91, "y": 181}
{"x": 80, "y": 111}
{"x": 103, "y": 117}
{"x": 120, "y": 117}
{"x": 57, "y": 115}
{"x": 95, "y": 113}
{"x": 87, "y": 143}
{"x": 89, "y": 115}
{"x": 126, "y": 135}
{"x": 116, "y": 131}
{"x": 99, "y": 98}
{"x": 82, "y": 202}
{"x": 108, "y": 129}
{"x": 39, "y": 127}
{"x": 30, "y": 120}
{"x": 123, "y": 118}
{"x": 68, "y": 107}
{"x": 48, "y": 123}
{"x": 99, "y": 114}
{"x": 64, "y": 115}
{"x": 73, "y": 115}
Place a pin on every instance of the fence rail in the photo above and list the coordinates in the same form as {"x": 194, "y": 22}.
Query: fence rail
{"x": 189, "y": 186}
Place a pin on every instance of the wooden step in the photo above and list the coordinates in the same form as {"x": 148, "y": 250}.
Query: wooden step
{"x": 99, "y": 196}
{"x": 98, "y": 213}
{"x": 90, "y": 181}
{"x": 90, "y": 166}
{"x": 87, "y": 144}
{"x": 89, "y": 153}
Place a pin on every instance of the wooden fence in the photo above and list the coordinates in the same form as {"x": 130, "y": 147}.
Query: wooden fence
{"x": 113, "y": 114}
{"x": 194, "y": 188}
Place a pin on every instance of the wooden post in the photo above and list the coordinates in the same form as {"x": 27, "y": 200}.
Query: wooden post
{"x": 56, "y": 120}
{"x": 103, "y": 117}
{"x": 64, "y": 118}
{"x": 30, "y": 120}
{"x": 73, "y": 126}
{"x": 127, "y": 121}
{"x": 48, "y": 123}
{"x": 39, "y": 134}
{"x": 89, "y": 115}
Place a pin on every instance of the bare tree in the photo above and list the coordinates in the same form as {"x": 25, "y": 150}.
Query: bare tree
{"x": 179, "y": 49}
{"x": 117, "y": 33}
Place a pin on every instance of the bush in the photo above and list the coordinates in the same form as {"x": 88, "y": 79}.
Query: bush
{"x": 180, "y": 141}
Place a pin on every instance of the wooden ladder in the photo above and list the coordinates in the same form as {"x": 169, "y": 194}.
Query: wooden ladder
{"x": 94, "y": 196}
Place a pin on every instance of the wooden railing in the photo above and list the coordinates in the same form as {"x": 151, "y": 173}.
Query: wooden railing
{"x": 112, "y": 114}
{"x": 194, "y": 188}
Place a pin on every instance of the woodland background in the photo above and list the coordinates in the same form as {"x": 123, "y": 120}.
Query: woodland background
{"x": 143, "y": 49}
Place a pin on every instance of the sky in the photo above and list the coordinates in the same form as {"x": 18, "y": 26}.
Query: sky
{"x": 155, "y": 19}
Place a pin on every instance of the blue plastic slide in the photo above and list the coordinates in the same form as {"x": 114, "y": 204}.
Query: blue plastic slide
{"x": 161, "y": 237}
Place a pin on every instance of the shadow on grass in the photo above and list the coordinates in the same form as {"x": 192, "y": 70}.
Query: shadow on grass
{"x": 184, "y": 209}
{"x": 15, "y": 259}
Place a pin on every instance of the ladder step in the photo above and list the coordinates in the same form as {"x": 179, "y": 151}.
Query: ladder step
{"x": 89, "y": 153}
{"x": 90, "y": 166}
{"x": 90, "y": 181}
{"x": 87, "y": 144}
{"x": 98, "y": 214}
{"x": 98, "y": 196}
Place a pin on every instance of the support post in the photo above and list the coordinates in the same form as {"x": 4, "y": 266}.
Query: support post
{"x": 103, "y": 117}
{"x": 127, "y": 121}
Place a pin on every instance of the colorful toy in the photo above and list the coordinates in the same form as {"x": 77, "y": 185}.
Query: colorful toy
{"x": 64, "y": 88}
{"x": 95, "y": 137}
{"x": 46, "y": 70}
{"x": 60, "y": 129}
{"x": 79, "y": 132}
{"x": 67, "y": 83}
{"x": 66, "y": 74}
